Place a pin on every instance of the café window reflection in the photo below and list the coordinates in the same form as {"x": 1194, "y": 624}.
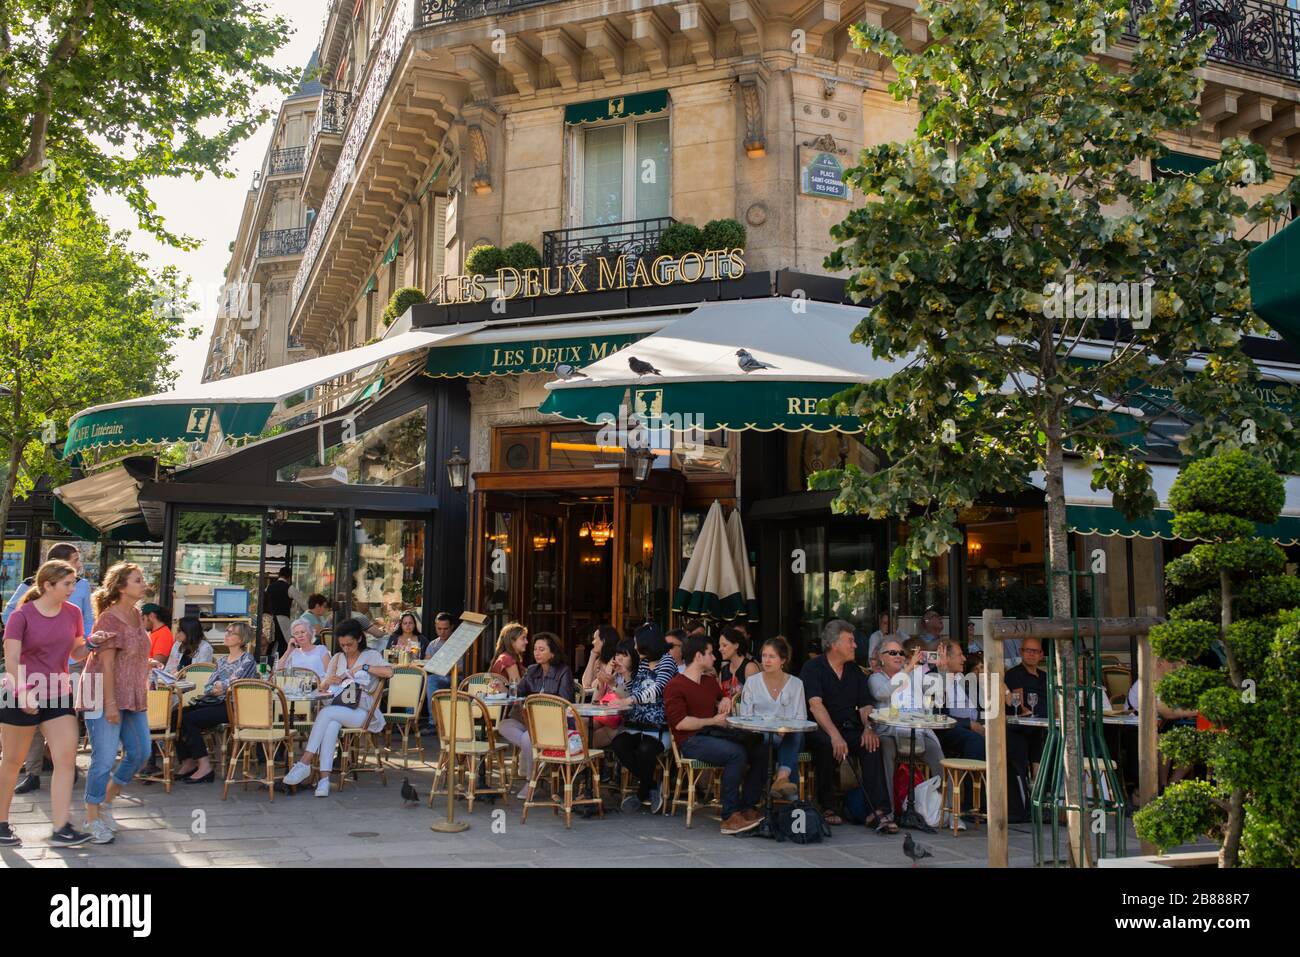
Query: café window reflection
{"x": 388, "y": 568}
{"x": 389, "y": 454}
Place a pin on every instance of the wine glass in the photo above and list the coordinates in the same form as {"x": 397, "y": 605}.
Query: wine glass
{"x": 1032, "y": 700}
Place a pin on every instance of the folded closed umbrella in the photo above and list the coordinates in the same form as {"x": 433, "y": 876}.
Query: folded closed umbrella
{"x": 740, "y": 559}
{"x": 710, "y": 587}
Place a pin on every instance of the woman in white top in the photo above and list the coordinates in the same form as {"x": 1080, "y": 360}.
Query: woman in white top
{"x": 303, "y": 650}
{"x": 771, "y": 693}
{"x": 355, "y": 669}
{"x": 191, "y": 647}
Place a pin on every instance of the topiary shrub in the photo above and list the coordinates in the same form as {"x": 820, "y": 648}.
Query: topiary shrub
{"x": 521, "y": 256}
{"x": 724, "y": 234}
{"x": 680, "y": 239}
{"x": 484, "y": 261}
{"x": 400, "y": 301}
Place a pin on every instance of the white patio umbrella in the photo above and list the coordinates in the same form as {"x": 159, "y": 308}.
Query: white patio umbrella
{"x": 710, "y": 587}
{"x": 740, "y": 558}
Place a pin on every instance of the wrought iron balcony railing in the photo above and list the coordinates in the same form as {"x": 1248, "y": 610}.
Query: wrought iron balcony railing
{"x": 634, "y": 238}
{"x": 291, "y": 160}
{"x": 430, "y": 12}
{"x": 1253, "y": 34}
{"x": 282, "y": 242}
{"x": 331, "y": 116}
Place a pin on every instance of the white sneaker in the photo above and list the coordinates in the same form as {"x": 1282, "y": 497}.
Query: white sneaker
{"x": 100, "y": 833}
{"x": 523, "y": 793}
{"x": 323, "y": 786}
{"x": 947, "y": 822}
{"x": 106, "y": 815}
{"x": 297, "y": 774}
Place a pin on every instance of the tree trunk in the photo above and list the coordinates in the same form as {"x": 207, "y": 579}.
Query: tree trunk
{"x": 1058, "y": 542}
{"x": 1237, "y": 799}
{"x": 11, "y": 482}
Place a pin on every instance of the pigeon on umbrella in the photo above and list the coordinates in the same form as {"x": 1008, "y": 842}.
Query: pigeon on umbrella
{"x": 748, "y": 363}
{"x": 411, "y": 797}
{"x": 564, "y": 372}
{"x": 917, "y": 852}
{"x": 641, "y": 368}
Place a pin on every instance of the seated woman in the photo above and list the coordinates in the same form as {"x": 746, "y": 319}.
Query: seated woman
{"x": 209, "y": 711}
{"x": 303, "y": 650}
{"x": 736, "y": 665}
{"x": 190, "y": 647}
{"x": 508, "y": 658}
{"x": 547, "y": 675}
{"x": 892, "y": 685}
{"x": 352, "y": 665}
{"x": 407, "y": 634}
{"x": 772, "y": 693}
{"x": 645, "y": 727}
{"x": 599, "y": 671}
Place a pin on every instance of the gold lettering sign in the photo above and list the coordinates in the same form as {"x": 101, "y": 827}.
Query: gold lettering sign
{"x": 611, "y": 274}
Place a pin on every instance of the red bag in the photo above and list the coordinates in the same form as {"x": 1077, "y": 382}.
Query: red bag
{"x": 609, "y": 720}
{"x": 900, "y": 783}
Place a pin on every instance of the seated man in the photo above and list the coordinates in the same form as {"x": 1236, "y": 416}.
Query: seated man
{"x": 839, "y": 700}
{"x": 697, "y": 712}
{"x": 965, "y": 739}
{"x": 443, "y": 626}
{"x": 1025, "y": 745}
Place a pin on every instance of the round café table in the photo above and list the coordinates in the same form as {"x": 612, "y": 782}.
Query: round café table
{"x": 912, "y": 721}
{"x": 591, "y": 711}
{"x": 771, "y": 727}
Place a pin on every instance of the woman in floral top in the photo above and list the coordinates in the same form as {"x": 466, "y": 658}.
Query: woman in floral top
{"x": 115, "y": 686}
{"x": 210, "y": 710}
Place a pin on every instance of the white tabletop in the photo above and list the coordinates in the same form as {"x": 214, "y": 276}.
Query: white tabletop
{"x": 913, "y": 720}
{"x": 1122, "y": 720}
{"x": 770, "y": 725}
{"x": 598, "y": 710}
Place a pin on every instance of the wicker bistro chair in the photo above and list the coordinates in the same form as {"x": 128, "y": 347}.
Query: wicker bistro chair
{"x": 694, "y": 774}
{"x": 300, "y": 712}
{"x": 477, "y": 749}
{"x": 253, "y": 705}
{"x": 356, "y": 745}
{"x": 955, "y": 772}
{"x": 483, "y": 682}
{"x": 663, "y": 767}
{"x": 402, "y": 710}
{"x": 165, "y": 707}
{"x": 217, "y": 738}
{"x": 549, "y": 718}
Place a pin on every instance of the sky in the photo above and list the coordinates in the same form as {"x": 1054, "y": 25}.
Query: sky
{"x": 208, "y": 209}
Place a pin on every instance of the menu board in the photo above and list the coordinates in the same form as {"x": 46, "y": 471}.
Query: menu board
{"x": 454, "y": 648}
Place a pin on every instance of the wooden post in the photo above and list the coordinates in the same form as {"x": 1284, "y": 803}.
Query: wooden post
{"x": 451, "y": 825}
{"x": 1148, "y": 755}
{"x": 995, "y": 739}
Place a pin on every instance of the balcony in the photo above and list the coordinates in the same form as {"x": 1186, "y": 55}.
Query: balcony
{"x": 430, "y": 12}
{"x": 1255, "y": 35}
{"x": 634, "y": 239}
{"x": 285, "y": 162}
{"x": 324, "y": 142}
{"x": 282, "y": 242}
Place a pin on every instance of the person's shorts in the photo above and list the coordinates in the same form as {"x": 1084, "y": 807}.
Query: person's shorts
{"x": 19, "y": 717}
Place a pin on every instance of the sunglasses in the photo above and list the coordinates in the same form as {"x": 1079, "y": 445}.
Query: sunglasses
{"x": 895, "y": 654}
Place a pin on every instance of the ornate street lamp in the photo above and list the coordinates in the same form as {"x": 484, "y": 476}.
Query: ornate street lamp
{"x": 641, "y": 459}
{"x": 457, "y": 469}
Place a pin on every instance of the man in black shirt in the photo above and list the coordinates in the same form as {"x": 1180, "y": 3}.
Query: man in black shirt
{"x": 1025, "y": 745}
{"x": 277, "y": 602}
{"x": 839, "y": 700}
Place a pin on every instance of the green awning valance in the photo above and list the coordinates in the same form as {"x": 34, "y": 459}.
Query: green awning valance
{"x": 616, "y": 107}
{"x": 762, "y": 406}
{"x": 528, "y": 355}
{"x": 163, "y": 423}
{"x": 1103, "y": 520}
{"x": 392, "y": 251}
{"x": 1275, "y": 282}
{"x": 1180, "y": 164}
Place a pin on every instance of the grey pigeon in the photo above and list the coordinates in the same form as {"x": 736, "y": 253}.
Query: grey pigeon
{"x": 564, "y": 372}
{"x": 917, "y": 852}
{"x": 641, "y": 368}
{"x": 748, "y": 363}
{"x": 409, "y": 795}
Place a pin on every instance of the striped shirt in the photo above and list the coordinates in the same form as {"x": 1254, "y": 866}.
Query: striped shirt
{"x": 647, "y": 691}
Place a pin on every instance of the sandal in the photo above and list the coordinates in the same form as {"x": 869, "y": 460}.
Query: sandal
{"x": 833, "y": 819}
{"x": 887, "y": 826}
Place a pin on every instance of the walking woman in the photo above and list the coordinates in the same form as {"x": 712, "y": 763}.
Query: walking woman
{"x": 210, "y": 710}
{"x": 40, "y": 636}
{"x": 350, "y": 664}
{"x": 117, "y": 707}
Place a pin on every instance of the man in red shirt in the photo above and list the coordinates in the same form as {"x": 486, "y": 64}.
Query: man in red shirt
{"x": 160, "y": 633}
{"x": 697, "y": 712}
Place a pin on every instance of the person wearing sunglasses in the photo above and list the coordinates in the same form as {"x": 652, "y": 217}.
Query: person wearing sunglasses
{"x": 898, "y": 684}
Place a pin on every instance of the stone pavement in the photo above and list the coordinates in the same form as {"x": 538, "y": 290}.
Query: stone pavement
{"x": 366, "y": 826}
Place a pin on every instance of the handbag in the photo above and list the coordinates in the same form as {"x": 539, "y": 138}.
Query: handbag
{"x": 349, "y": 695}
{"x": 609, "y": 720}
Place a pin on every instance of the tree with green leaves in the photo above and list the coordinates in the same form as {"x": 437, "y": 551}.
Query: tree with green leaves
{"x": 1041, "y": 286}
{"x": 121, "y": 91}
{"x": 79, "y": 324}
{"x": 1238, "y": 634}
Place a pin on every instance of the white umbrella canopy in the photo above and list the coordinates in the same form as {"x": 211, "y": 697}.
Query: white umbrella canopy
{"x": 710, "y": 587}
{"x": 740, "y": 558}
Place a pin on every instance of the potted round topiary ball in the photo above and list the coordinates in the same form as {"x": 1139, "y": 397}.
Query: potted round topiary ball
{"x": 521, "y": 256}
{"x": 402, "y": 300}
{"x": 724, "y": 234}
{"x": 484, "y": 261}
{"x": 680, "y": 239}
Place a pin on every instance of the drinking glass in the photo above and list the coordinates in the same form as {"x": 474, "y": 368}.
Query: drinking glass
{"x": 1032, "y": 700}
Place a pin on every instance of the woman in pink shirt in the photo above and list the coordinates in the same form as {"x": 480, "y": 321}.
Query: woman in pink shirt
{"x": 117, "y": 711}
{"x": 37, "y": 692}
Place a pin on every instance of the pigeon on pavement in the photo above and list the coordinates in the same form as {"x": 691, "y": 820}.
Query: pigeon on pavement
{"x": 410, "y": 796}
{"x": 748, "y": 363}
{"x": 917, "y": 852}
{"x": 641, "y": 368}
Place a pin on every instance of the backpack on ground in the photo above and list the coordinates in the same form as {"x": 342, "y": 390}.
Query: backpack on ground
{"x": 800, "y": 823}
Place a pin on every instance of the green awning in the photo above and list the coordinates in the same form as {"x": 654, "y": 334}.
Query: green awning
{"x": 163, "y": 423}
{"x": 761, "y": 406}
{"x": 1102, "y": 520}
{"x": 525, "y": 355}
{"x": 1181, "y": 164}
{"x": 392, "y": 251}
{"x": 1275, "y": 282}
{"x": 616, "y": 107}
{"x": 371, "y": 285}
{"x": 84, "y": 531}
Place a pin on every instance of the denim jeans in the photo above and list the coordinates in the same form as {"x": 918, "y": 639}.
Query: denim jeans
{"x": 434, "y": 683}
{"x": 788, "y": 747}
{"x": 132, "y": 732}
{"x": 739, "y": 766}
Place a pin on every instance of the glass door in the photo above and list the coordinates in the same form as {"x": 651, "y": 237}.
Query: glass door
{"x": 544, "y": 552}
